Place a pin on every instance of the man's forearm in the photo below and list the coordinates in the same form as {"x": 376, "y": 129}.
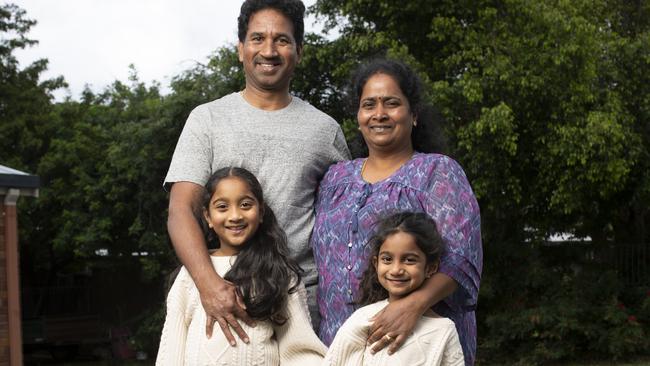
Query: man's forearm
{"x": 190, "y": 246}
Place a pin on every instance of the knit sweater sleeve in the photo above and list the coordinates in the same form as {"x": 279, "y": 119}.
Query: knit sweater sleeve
{"x": 172, "y": 342}
{"x": 453, "y": 351}
{"x": 349, "y": 344}
{"x": 298, "y": 345}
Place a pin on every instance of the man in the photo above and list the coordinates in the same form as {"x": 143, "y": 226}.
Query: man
{"x": 284, "y": 141}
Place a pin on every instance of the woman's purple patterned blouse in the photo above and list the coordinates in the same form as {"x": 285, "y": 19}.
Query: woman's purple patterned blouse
{"x": 347, "y": 210}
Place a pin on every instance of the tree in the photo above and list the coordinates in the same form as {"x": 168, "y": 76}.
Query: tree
{"x": 26, "y": 112}
{"x": 25, "y": 105}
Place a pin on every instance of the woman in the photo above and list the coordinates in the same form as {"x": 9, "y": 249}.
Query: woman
{"x": 400, "y": 174}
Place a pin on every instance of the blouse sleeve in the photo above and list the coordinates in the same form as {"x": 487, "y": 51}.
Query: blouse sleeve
{"x": 454, "y": 207}
{"x": 297, "y": 343}
{"x": 174, "y": 334}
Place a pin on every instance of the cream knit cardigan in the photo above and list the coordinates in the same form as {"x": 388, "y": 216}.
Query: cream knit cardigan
{"x": 434, "y": 342}
{"x": 183, "y": 340}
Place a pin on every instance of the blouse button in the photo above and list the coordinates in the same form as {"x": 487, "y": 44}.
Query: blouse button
{"x": 349, "y": 267}
{"x": 350, "y": 245}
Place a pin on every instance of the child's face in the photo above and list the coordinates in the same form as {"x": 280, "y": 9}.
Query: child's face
{"x": 234, "y": 214}
{"x": 401, "y": 265}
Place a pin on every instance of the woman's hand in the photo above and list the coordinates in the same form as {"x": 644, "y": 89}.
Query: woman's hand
{"x": 394, "y": 324}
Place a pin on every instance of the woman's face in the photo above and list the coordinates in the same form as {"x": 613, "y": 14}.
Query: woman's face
{"x": 384, "y": 115}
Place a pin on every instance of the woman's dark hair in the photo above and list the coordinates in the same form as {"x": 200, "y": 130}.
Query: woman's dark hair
{"x": 292, "y": 9}
{"x": 421, "y": 226}
{"x": 427, "y": 136}
{"x": 263, "y": 270}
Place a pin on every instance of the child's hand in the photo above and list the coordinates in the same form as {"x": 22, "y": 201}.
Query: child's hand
{"x": 224, "y": 306}
{"x": 392, "y": 325}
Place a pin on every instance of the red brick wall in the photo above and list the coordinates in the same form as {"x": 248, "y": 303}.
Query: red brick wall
{"x": 4, "y": 323}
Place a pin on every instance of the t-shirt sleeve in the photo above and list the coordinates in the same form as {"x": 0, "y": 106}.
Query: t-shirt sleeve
{"x": 341, "y": 151}
{"x": 192, "y": 159}
{"x": 457, "y": 214}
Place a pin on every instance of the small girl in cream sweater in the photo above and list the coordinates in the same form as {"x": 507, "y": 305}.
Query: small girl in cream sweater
{"x": 407, "y": 249}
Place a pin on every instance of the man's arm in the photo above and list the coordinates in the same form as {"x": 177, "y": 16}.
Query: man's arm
{"x": 219, "y": 297}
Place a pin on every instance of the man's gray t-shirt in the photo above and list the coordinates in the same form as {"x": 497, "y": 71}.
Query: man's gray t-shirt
{"x": 288, "y": 150}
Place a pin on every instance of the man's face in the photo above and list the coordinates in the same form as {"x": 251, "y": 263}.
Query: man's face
{"x": 269, "y": 51}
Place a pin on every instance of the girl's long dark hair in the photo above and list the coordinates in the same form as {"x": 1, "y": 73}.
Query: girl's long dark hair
{"x": 263, "y": 270}
{"x": 421, "y": 226}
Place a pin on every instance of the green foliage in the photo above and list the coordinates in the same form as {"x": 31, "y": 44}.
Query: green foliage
{"x": 25, "y": 105}
{"x": 601, "y": 153}
{"x": 99, "y": 172}
{"x": 147, "y": 337}
{"x": 558, "y": 314}
{"x": 492, "y": 139}
{"x": 102, "y": 161}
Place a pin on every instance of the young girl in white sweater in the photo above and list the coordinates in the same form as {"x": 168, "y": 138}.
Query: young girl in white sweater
{"x": 406, "y": 251}
{"x": 252, "y": 254}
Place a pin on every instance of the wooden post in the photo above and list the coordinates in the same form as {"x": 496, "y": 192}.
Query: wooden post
{"x": 13, "y": 283}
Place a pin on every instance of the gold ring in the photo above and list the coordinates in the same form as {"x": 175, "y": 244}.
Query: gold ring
{"x": 388, "y": 337}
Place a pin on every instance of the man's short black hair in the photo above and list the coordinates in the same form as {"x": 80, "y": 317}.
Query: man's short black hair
{"x": 292, "y": 9}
